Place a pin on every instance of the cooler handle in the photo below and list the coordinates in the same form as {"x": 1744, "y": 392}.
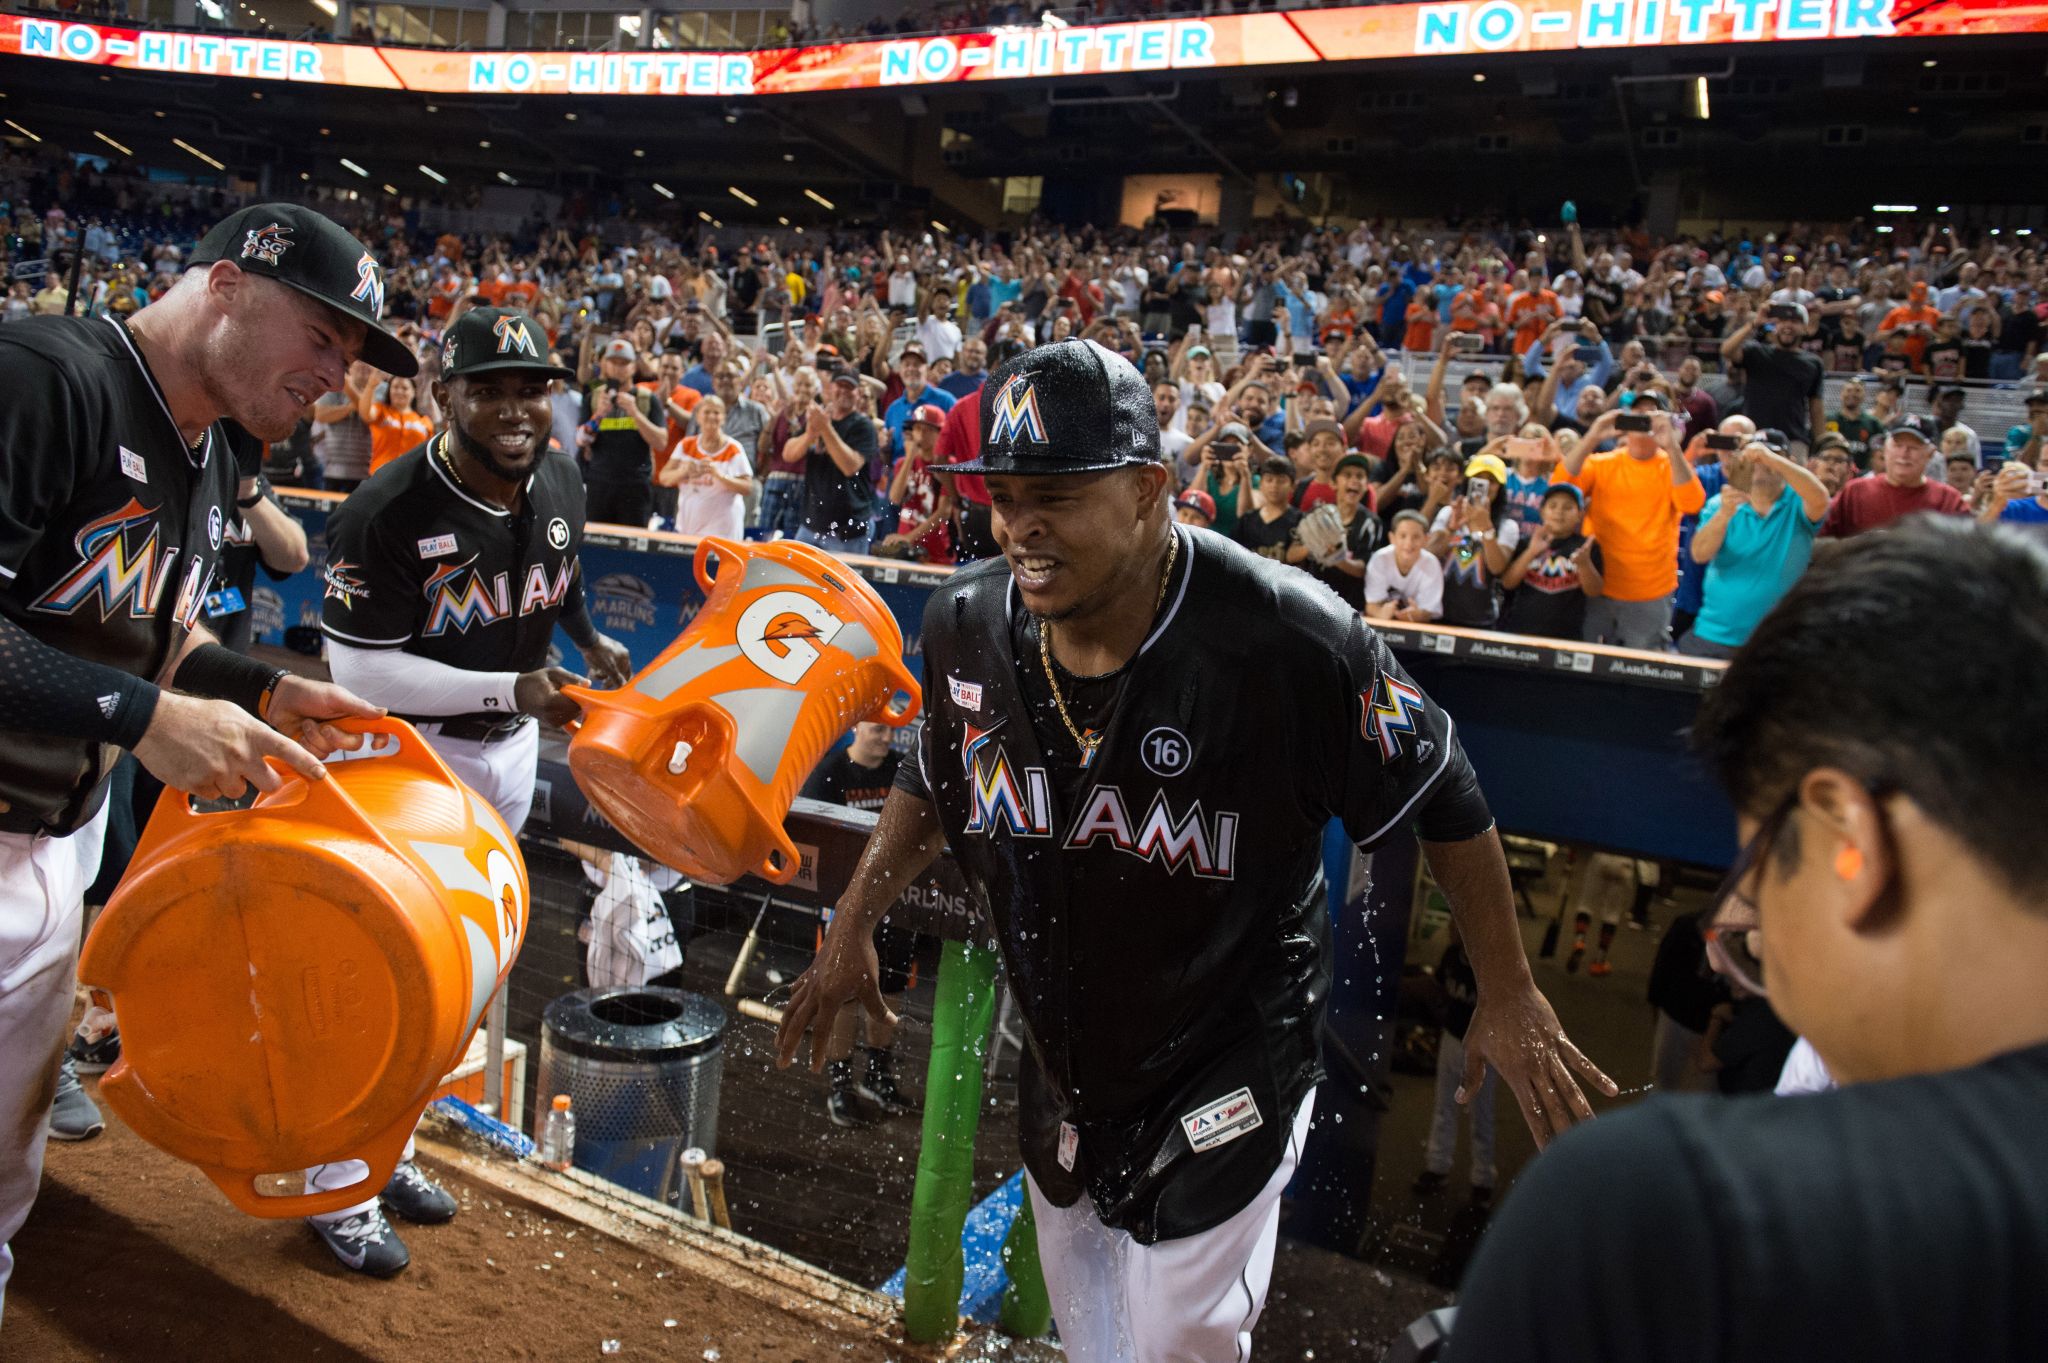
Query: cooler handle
{"x": 727, "y": 551}
{"x": 381, "y": 1152}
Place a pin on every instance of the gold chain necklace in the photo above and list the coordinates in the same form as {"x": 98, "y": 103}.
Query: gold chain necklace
{"x": 1090, "y": 741}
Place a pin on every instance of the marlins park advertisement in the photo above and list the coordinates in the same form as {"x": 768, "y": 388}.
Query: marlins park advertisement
{"x": 1299, "y": 37}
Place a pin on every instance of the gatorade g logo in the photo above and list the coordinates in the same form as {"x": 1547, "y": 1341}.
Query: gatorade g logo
{"x": 781, "y": 631}
{"x": 515, "y": 337}
{"x": 369, "y": 284}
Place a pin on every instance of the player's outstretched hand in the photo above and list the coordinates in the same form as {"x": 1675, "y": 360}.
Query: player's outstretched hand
{"x": 610, "y": 665}
{"x": 845, "y": 969}
{"x": 1520, "y": 1037}
{"x": 216, "y": 750}
{"x": 304, "y": 709}
{"x": 539, "y": 692}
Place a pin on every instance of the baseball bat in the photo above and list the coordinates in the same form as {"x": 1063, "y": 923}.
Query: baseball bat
{"x": 713, "y": 1172}
{"x": 746, "y": 953}
{"x": 693, "y": 1170}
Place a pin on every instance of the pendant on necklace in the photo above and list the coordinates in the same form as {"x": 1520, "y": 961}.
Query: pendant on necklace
{"x": 1088, "y": 746}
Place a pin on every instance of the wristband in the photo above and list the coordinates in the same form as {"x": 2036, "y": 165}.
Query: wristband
{"x": 219, "y": 672}
{"x": 250, "y": 502}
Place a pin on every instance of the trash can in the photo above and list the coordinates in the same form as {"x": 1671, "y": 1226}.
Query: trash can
{"x": 641, "y": 1067}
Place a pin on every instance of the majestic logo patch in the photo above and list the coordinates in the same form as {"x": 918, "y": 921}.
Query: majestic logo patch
{"x": 369, "y": 289}
{"x": 515, "y": 337}
{"x": 1016, "y": 414}
{"x": 1222, "y": 1122}
{"x": 966, "y": 694}
{"x": 267, "y": 244}
{"x": 1394, "y": 714}
{"x": 122, "y": 575}
{"x": 558, "y": 533}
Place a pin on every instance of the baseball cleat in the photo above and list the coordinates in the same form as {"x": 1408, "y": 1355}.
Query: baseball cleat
{"x": 364, "y": 1242}
{"x": 845, "y": 1110}
{"x": 94, "y": 1057}
{"x": 880, "y": 1089}
{"x": 73, "y": 1114}
{"x": 417, "y": 1198}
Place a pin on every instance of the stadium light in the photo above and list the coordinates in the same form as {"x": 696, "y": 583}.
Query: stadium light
{"x": 183, "y": 145}
{"x": 23, "y": 131}
{"x": 436, "y": 176}
{"x": 941, "y": 228}
{"x": 328, "y": 8}
{"x": 704, "y": 214}
{"x": 820, "y": 200}
{"x": 1479, "y": 78}
{"x": 392, "y": 190}
{"x": 347, "y": 164}
{"x": 111, "y": 142}
{"x": 1699, "y": 98}
{"x": 664, "y": 191}
{"x": 1942, "y": 209}
{"x": 506, "y": 178}
{"x": 640, "y": 151}
{"x": 1895, "y": 208}
{"x": 785, "y": 223}
{"x": 744, "y": 197}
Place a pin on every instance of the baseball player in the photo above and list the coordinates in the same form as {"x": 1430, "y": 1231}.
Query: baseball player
{"x": 116, "y": 485}
{"x": 1137, "y": 734}
{"x": 446, "y": 573}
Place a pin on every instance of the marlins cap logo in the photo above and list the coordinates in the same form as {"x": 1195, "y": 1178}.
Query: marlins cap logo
{"x": 1017, "y": 415}
{"x": 266, "y": 244}
{"x": 515, "y": 336}
{"x": 369, "y": 284}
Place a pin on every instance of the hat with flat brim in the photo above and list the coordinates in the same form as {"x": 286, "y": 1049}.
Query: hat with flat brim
{"x": 495, "y": 340}
{"x": 1069, "y": 407}
{"x": 320, "y": 258}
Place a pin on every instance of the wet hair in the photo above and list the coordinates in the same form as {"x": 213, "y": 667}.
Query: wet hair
{"x": 1942, "y": 627}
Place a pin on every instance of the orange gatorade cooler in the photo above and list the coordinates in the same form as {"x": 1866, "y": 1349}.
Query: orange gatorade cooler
{"x": 294, "y": 979}
{"x": 698, "y": 757}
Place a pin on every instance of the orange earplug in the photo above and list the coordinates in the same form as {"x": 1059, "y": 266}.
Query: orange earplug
{"x": 1849, "y": 862}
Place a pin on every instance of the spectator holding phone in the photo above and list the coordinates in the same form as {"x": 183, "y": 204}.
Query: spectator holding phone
{"x": 1755, "y": 539}
{"x": 2019, "y": 496}
{"x": 1403, "y": 580}
{"x": 1782, "y": 380}
{"x": 1635, "y": 498}
{"x": 1475, "y": 539}
{"x": 1222, "y": 458}
{"x": 1556, "y": 572}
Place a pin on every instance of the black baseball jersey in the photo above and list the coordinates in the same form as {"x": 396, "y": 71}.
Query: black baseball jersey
{"x": 416, "y": 562}
{"x": 1162, "y": 912}
{"x": 111, "y": 529}
{"x": 840, "y": 780}
{"x": 229, "y": 606}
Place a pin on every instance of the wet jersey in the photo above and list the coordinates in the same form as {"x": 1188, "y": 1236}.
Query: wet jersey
{"x": 1161, "y": 912}
{"x": 417, "y": 562}
{"x": 111, "y": 530}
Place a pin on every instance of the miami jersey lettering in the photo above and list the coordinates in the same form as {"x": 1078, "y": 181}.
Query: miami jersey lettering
{"x": 459, "y": 596}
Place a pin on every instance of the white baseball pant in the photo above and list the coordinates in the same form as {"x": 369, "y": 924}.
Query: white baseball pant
{"x": 43, "y": 881}
{"x": 1192, "y": 1300}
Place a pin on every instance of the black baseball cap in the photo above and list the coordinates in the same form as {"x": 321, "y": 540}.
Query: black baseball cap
{"x": 312, "y": 253}
{"x": 1920, "y": 428}
{"x": 488, "y": 340}
{"x": 1069, "y": 407}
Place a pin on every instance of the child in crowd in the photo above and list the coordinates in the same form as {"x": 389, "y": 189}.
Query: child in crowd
{"x": 1402, "y": 581}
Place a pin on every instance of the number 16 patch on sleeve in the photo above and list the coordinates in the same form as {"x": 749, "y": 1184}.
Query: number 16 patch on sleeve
{"x": 1222, "y": 1121}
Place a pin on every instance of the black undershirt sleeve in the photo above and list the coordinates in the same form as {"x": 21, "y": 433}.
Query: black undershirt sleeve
{"x": 45, "y": 690}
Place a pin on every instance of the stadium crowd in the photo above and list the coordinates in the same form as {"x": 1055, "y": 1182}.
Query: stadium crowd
{"x": 1547, "y": 432}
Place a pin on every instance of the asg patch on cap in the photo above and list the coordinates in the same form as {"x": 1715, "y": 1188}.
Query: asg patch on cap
{"x": 488, "y": 340}
{"x": 312, "y": 253}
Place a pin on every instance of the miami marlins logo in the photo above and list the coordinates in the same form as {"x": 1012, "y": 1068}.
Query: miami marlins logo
{"x": 1016, "y": 414}
{"x": 369, "y": 284}
{"x": 458, "y": 596}
{"x": 121, "y": 576}
{"x": 997, "y": 797}
{"x": 515, "y": 336}
{"x": 267, "y": 244}
{"x": 1394, "y": 714}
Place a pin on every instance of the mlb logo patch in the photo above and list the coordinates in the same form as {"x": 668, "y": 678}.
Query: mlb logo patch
{"x": 966, "y": 694}
{"x": 1222, "y": 1122}
{"x": 437, "y": 546}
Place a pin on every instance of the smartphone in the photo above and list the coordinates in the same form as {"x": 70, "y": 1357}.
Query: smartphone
{"x": 1782, "y": 312}
{"x": 1524, "y": 447}
{"x": 1726, "y": 444}
{"x": 1478, "y": 490}
{"x": 1467, "y": 340}
{"x": 1638, "y": 422}
{"x": 1305, "y": 360}
{"x": 1586, "y": 354}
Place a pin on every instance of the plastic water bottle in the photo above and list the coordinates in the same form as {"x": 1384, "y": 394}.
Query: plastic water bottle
{"x": 558, "y": 1136}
